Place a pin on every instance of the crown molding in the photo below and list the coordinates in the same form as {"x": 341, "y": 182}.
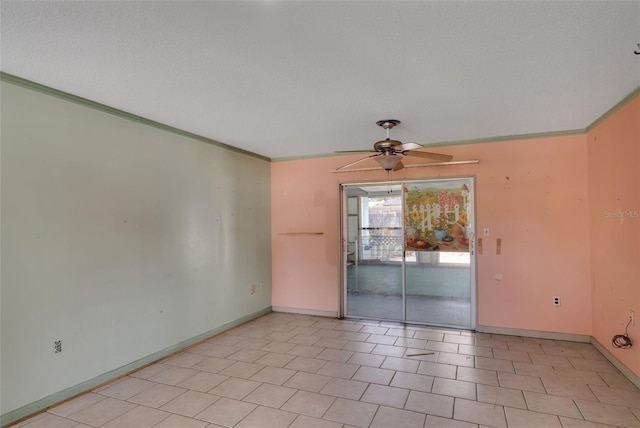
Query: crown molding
{"x": 28, "y": 84}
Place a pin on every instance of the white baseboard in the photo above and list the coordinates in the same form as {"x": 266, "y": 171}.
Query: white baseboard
{"x": 585, "y": 338}
{"x": 633, "y": 378}
{"x": 304, "y": 311}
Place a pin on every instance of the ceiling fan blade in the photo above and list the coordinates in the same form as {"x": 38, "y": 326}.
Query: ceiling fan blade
{"x": 398, "y": 166}
{"x": 408, "y": 146}
{"x": 358, "y": 161}
{"x": 429, "y": 155}
{"x": 353, "y": 151}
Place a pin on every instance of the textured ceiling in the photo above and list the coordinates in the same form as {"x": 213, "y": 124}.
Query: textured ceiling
{"x": 286, "y": 79}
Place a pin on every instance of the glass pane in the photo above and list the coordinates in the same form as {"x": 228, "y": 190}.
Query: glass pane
{"x": 374, "y": 279}
{"x": 438, "y": 263}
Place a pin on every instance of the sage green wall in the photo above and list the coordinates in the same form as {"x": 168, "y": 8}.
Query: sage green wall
{"x": 119, "y": 239}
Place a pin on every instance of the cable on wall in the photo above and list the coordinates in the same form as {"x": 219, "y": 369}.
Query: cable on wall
{"x": 622, "y": 341}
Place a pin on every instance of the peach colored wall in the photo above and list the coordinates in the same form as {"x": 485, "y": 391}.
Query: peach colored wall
{"x": 614, "y": 184}
{"x": 531, "y": 193}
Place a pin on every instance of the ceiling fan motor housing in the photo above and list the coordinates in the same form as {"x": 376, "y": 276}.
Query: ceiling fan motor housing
{"x": 386, "y": 145}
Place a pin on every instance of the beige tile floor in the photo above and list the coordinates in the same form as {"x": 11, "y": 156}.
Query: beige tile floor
{"x": 299, "y": 371}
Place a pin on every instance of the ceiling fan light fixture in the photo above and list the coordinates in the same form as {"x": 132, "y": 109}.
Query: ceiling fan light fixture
{"x": 388, "y": 161}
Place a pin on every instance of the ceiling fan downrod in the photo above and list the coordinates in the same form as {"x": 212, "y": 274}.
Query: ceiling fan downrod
{"x": 388, "y": 124}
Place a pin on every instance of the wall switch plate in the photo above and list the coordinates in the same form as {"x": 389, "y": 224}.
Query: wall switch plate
{"x": 499, "y": 276}
{"x": 57, "y": 346}
{"x": 556, "y": 301}
{"x": 485, "y": 231}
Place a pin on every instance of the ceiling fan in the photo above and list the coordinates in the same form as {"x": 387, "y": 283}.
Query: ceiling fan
{"x": 388, "y": 153}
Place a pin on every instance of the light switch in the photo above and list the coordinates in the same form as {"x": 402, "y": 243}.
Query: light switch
{"x": 485, "y": 231}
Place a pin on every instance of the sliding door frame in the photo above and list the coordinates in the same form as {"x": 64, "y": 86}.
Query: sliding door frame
{"x": 342, "y": 247}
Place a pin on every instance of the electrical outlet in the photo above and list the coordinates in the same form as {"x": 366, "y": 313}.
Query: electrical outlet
{"x": 253, "y": 289}
{"x": 556, "y": 301}
{"x": 632, "y": 318}
{"x": 57, "y": 346}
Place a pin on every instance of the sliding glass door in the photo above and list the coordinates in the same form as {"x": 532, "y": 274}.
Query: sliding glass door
{"x": 408, "y": 252}
{"x": 374, "y": 257}
{"x": 438, "y": 231}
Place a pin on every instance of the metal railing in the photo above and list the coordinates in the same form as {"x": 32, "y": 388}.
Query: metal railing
{"x": 381, "y": 243}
